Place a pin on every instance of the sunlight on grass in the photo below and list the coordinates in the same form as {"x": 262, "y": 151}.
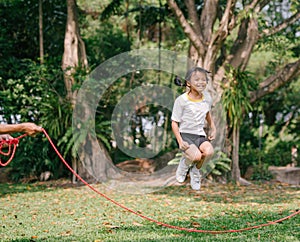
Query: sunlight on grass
{"x": 45, "y": 213}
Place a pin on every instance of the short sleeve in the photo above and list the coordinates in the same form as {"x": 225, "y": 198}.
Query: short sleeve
{"x": 177, "y": 110}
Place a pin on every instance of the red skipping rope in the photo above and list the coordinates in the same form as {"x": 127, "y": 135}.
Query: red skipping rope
{"x": 11, "y": 152}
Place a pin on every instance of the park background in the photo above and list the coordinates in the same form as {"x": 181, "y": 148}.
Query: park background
{"x": 252, "y": 52}
{"x": 251, "y": 48}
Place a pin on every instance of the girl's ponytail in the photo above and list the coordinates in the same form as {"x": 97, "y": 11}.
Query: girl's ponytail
{"x": 178, "y": 82}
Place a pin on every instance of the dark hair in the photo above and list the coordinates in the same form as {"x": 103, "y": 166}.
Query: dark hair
{"x": 178, "y": 82}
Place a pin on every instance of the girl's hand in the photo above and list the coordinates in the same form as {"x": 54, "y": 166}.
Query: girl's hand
{"x": 212, "y": 134}
{"x": 184, "y": 145}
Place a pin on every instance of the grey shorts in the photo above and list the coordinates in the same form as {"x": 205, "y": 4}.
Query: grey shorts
{"x": 194, "y": 139}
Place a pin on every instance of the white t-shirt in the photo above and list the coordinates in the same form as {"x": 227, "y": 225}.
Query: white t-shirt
{"x": 191, "y": 114}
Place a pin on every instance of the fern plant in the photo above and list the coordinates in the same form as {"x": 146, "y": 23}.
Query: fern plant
{"x": 219, "y": 165}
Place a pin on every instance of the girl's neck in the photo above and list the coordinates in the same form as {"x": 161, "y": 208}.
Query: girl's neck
{"x": 195, "y": 95}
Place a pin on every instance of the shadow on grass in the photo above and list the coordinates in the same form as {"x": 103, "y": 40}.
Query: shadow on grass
{"x": 286, "y": 231}
{"x": 229, "y": 193}
{"x": 6, "y": 188}
{"x": 11, "y": 188}
{"x": 217, "y": 193}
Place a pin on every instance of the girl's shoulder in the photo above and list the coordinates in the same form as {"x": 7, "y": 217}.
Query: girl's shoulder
{"x": 183, "y": 96}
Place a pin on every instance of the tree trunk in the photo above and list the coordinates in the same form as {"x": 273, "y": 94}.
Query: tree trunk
{"x": 96, "y": 164}
{"x": 74, "y": 58}
{"x": 74, "y": 50}
{"x": 41, "y": 36}
{"x": 235, "y": 172}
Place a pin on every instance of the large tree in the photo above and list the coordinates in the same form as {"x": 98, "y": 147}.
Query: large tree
{"x": 74, "y": 50}
{"x": 224, "y": 34}
{"x": 75, "y": 64}
{"x": 74, "y": 57}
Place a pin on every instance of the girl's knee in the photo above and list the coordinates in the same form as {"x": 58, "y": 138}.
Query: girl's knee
{"x": 194, "y": 157}
{"x": 193, "y": 153}
{"x": 208, "y": 151}
{"x": 198, "y": 157}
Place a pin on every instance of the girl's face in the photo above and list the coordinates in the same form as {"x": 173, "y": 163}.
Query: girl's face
{"x": 197, "y": 81}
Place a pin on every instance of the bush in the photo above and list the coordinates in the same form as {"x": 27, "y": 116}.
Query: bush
{"x": 260, "y": 160}
{"x": 33, "y": 156}
{"x": 23, "y": 97}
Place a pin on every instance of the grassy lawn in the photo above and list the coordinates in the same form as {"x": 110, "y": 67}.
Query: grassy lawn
{"x": 47, "y": 212}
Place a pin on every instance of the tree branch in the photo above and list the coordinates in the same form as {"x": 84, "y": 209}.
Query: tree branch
{"x": 188, "y": 30}
{"x": 283, "y": 76}
{"x": 218, "y": 38}
{"x": 208, "y": 19}
{"x": 223, "y": 30}
{"x": 92, "y": 13}
{"x": 193, "y": 15}
{"x": 283, "y": 25}
{"x": 245, "y": 41}
{"x": 256, "y": 4}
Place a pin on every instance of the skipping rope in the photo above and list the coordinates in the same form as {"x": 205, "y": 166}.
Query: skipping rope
{"x": 12, "y": 144}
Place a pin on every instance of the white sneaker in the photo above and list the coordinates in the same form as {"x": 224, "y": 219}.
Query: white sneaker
{"x": 182, "y": 170}
{"x": 195, "y": 177}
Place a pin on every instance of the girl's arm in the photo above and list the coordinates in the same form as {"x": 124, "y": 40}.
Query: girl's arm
{"x": 182, "y": 144}
{"x": 212, "y": 131}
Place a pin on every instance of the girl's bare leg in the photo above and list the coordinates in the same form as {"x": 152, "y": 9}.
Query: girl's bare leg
{"x": 206, "y": 150}
{"x": 192, "y": 154}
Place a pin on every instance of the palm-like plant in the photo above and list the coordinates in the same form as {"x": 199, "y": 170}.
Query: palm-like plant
{"x": 236, "y": 101}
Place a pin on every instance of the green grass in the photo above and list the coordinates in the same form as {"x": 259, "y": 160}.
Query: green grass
{"x": 47, "y": 212}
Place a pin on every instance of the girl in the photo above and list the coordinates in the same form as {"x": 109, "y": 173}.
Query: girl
{"x": 190, "y": 111}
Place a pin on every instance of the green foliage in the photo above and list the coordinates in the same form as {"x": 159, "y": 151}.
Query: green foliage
{"x": 70, "y": 141}
{"x": 19, "y": 37}
{"x": 30, "y": 92}
{"x": 148, "y": 16}
{"x": 135, "y": 134}
{"x": 219, "y": 165}
{"x": 261, "y": 172}
{"x": 56, "y": 117}
{"x": 283, "y": 51}
{"x": 260, "y": 160}
{"x": 113, "y": 8}
{"x": 284, "y": 45}
{"x": 23, "y": 96}
{"x": 31, "y": 159}
{"x": 235, "y": 97}
{"x": 278, "y": 12}
{"x": 281, "y": 158}
{"x": 22, "y": 101}
{"x": 56, "y": 114}
{"x": 280, "y": 114}
{"x": 142, "y": 20}
{"x": 104, "y": 132}
{"x": 106, "y": 41}
{"x": 282, "y": 110}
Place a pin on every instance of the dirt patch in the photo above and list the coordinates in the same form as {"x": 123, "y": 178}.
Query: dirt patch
{"x": 4, "y": 175}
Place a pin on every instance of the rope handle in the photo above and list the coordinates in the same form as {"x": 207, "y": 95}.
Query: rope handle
{"x": 11, "y": 152}
{"x": 15, "y": 143}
